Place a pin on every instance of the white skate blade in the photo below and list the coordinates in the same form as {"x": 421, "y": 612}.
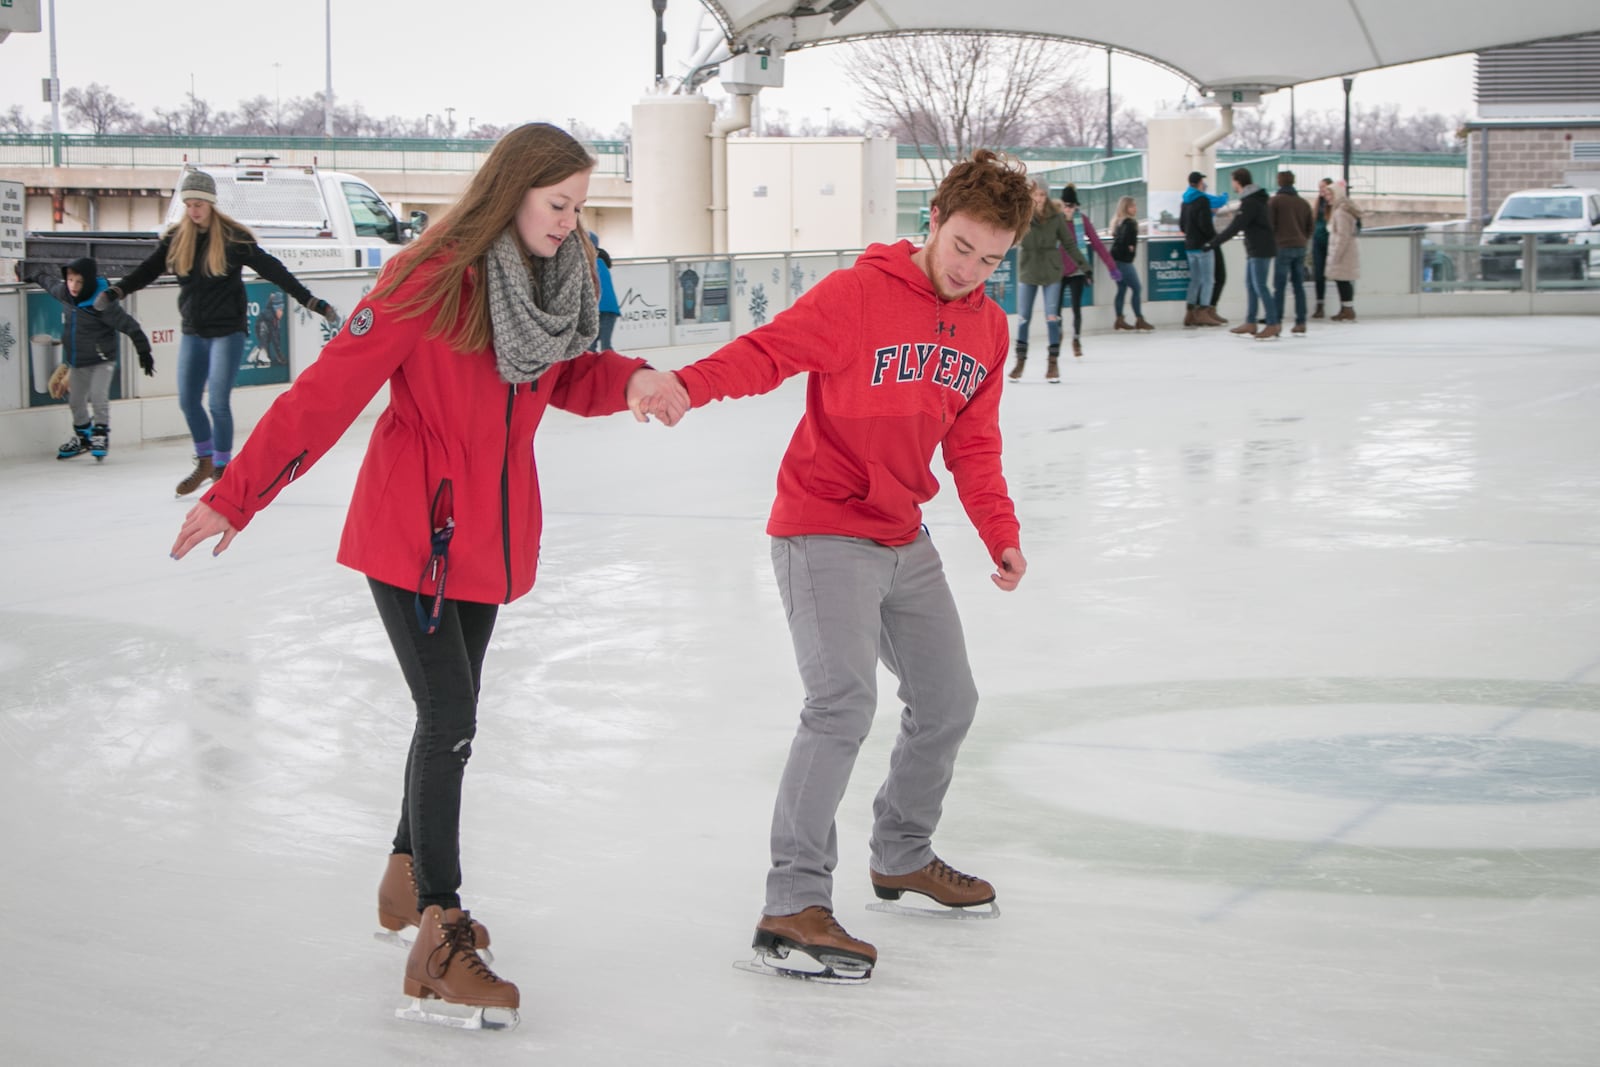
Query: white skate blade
{"x": 841, "y": 971}
{"x": 476, "y": 1019}
{"x": 935, "y": 910}
{"x": 407, "y": 936}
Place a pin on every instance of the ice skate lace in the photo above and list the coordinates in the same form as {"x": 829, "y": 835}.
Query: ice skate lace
{"x": 942, "y": 871}
{"x": 457, "y": 940}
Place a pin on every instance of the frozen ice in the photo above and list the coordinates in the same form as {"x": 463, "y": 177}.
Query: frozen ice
{"x": 1289, "y": 749}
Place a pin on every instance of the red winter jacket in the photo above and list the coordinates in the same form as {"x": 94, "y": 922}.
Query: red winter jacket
{"x": 450, "y": 417}
{"x": 894, "y": 371}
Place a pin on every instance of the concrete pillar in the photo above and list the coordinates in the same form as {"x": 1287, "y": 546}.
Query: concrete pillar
{"x": 1171, "y": 156}
{"x": 672, "y": 176}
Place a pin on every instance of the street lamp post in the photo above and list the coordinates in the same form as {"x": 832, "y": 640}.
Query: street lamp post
{"x": 327, "y": 100}
{"x": 1348, "y": 82}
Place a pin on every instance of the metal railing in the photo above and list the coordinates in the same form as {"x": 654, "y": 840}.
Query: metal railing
{"x": 334, "y": 153}
{"x": 1469, "y": 260}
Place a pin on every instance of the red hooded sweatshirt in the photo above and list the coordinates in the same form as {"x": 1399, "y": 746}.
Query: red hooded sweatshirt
{"x": 451, "y": 418}
{"x": 894, "y": 371}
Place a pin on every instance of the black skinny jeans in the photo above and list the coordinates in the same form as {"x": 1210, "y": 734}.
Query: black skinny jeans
{"x": 1319, "y": 266}
{"x": 1072, "y": 293}
{"x": 443, "y": 670}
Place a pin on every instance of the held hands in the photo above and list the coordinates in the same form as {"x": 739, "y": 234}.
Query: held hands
{"x": 107, "y": 297}
{"x": 1012, "y": 568}
{"x": 201, "y": 524}
{"x": 658, "y": 393}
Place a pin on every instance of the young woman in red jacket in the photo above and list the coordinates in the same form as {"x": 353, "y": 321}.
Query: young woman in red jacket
{"x": 477, "y": 328}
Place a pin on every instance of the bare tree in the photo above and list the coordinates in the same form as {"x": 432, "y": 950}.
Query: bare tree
{"x": 14, "y": 121}
{"x": 194, "y": 119}
{"x": 100, "y": 109}
{"x": 948, "y": 93}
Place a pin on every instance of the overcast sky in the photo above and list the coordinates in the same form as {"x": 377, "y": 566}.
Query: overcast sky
{"x": 498, "y": 62}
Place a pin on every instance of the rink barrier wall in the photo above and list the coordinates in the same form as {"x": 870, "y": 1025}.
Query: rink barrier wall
{"x": 675, "y": 310}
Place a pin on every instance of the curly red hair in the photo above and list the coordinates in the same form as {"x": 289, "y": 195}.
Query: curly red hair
{"x": 989, "y": 187}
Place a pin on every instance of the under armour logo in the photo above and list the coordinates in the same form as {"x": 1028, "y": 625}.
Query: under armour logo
{"x": 943, "y": 326}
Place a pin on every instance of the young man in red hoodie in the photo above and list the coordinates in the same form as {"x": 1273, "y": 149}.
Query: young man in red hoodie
{"x": 904, "y": 352}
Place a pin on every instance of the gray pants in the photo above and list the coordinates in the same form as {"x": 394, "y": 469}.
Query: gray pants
{"x": 851, "y": 602}
{"x": 91, "y": 386}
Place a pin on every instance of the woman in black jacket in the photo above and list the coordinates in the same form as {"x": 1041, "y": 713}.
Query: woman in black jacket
{"x": 207, "y": 252}
{"x": 1124, "y": 250}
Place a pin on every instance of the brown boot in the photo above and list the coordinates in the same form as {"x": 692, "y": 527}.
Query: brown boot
{"x": 1347, "y": 313}
{"x": 203, "y": 472}
{"x": 444, "y": 964}
{"x": 1319, "y": 313}
{"x": 1246, "y": 328}
{"x": 1016, "y": 371}
{"x": 937, "y": 881}
{"x": 1077, "y": 348}
{"x": 1052, "y": 370}
{"x": 1140, "y": 324}
{"x": 1211, "y": 310}
{"x": 1189, "y": 316}
{"x": 1121, "y": 324}
{"x": 1270, "y": 333}
{"x": 813, "y": 931}
{"x": 1207, "y": 316}
{"x": 397, "y": 900}
{"x": 1299, "y": 328}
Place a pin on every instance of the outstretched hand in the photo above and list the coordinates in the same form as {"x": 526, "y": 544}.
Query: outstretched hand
{"x": 201, "y": 524}
{"x": 1012, "y": 568}
{"x": 658, "y": 393}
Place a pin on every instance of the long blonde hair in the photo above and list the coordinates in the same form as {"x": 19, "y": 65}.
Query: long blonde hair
{"x": 185, "y": 238}
{"x": 532, "y": 156}
{"x": 1123, "y": 212}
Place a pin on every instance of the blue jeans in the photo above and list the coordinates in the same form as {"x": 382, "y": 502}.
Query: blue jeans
{"x": 1130, "y": 283}
{"x": 1052, "y": 302}
{"x": 1290, "y": 269}
{"x": 214, "y": 360}
{"x": 1201, "y": 273}
{"x": 1259, "y": 298}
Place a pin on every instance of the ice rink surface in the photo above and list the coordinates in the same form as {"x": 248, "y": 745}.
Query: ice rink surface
{"x": 1289, "y": 748}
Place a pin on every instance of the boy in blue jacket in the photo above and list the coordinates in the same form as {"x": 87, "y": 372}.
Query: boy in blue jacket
{"x": 89, "y": 347}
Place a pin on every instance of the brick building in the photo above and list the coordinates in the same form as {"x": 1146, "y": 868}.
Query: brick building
{"x": 1538, "y": 121}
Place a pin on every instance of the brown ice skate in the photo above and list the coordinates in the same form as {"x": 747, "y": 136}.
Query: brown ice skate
{"x": 204, "y": 471}
{"x": 942, "y": 884}
{"x": 397, "y": 901}
{"x": 815, "y": 932}
{"x": 444, "y": 965}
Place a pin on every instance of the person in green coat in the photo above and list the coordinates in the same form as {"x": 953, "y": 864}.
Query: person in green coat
{"x": 1039, "y": 271}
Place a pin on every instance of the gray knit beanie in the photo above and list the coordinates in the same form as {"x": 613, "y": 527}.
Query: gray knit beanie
{"x": 198, "y": 185}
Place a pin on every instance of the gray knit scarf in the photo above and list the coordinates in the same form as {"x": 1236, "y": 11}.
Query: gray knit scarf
{"x": 539, "y": 323}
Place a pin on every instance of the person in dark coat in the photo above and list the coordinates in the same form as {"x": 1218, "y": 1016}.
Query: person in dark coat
{"x": 1260, "y": 249}
{"x": 90, "y": 348}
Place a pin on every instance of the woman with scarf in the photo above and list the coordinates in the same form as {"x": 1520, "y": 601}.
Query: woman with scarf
{"x": 1075, "y": 265}
{"x": 477, "y": 328}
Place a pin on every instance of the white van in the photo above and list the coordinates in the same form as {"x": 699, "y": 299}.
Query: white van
{"x": 310, "y": 219}
{"x": 1558, "y": 215}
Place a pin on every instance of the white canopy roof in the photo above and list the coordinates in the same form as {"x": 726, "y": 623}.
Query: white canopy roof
{"x": 1267, "y": 47}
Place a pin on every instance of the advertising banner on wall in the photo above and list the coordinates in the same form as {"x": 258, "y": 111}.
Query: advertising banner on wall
{"x": 14, "y": 354}
{"x": 1167, "y": 270}
{"x": 44, "y": 350}
{"x": 758, "y": 293}
{"x": 642, "y": 294}
{"x": 1002, "y": 284}
{"x": 267, "y": 330}
{"x": 700, "y": 309}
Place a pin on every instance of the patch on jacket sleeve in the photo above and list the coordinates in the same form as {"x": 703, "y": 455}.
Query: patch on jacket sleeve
{"x": 362, "y": 322}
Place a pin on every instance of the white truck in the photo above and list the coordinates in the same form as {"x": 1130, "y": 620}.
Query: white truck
{"x": 309, "y": 218}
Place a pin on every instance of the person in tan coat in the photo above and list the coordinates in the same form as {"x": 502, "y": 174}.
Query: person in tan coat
{"x": 1344, "y": 253}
